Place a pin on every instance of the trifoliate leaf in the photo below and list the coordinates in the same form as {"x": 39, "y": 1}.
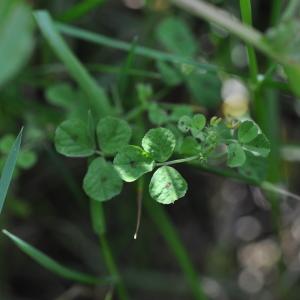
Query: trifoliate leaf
{"x": 160, "y": 143}
{"x": 72, "y": 139}
{"x": 167, "y": 185}
{"x": 184, "y": 124}
{"x": 260, "y": 146}
{"x": 247, "y": 132}
{"x": 113, "y": 134}
{"x": 236, "y": 155}
{"x": 102, "y": 182}
{"x": 132, "y": 162}
{"x": 197, "y": 125}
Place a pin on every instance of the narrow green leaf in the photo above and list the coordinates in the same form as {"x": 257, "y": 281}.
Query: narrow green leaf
{"x": 72, "y": 139}
{"x": 132, "y": 162}
{"x": 80, "y": 9}
{"x": 102, "y": 182}
{"x": 113, "y": 134}
{"x": 236, "y": 155}
{"x": 260, "y": 146}
{"x": 16, "y": 36}
{"x": 51, "y": 265}
{"x": 96, "y": 95}
{"x": 6, "y": 143}
{"x": 167, "y": 185}
{"x": 8, "y": 168}
{"x": 160, "y": 143}
{"x": 121, "y": 45}
{"x": 247, "y": 132}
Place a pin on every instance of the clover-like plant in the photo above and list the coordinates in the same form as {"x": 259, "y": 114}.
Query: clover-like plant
{"x": 114, "y": 160}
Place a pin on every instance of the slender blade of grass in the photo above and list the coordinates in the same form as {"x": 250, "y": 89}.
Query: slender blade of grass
{"x": 53, "y": 266}
{"x": 124, "y": 46}
{"x": 246, "y": 12}
{"x": 96, "y": 95}
{"x": 8, "y": 169}
{"x": 79, "y": 10}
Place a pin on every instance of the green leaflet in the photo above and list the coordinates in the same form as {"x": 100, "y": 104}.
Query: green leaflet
{"x": 7, "y": 171}
{"x": 102, "y": 182}
{"x": 185, "y": 124}
{"x": 167, "y": 185}
{"x": 260, "y": 146}
{"x": 51, "y": 265}
{"x": 189, "y": 146}
{"x": 197, "y": 125}
{"x": 112, "y": 134}
{"x": 16, "y": 36}
{"x": 236, "y": 155}
{"x": 247, "y": 132}
{"x": 72, "y": 139}
{"x": 61, "y": 94}
{"x": 160, "y": 143}
{"x": 132, "y": 162}
{"x": 175, "y": 36}
{"x": 26, "y": 159}
{"x": 255, "y": 167}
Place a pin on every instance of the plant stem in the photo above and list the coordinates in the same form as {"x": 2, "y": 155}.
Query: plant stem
{"x": 246, "y": 12}
{"x": 112, "y": 268}
{"x": 99, "y": 226}
{"x": 178, "y": 161}
{"x": 166, "y": 228}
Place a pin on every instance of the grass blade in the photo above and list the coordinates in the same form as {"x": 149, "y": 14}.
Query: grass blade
{"x": 124, "y": 46}
{"x": 51, "y": 265}
{"x": 98, "y": 99}
{"x": 8, "y": 169}
{"x": 80, "y": 9}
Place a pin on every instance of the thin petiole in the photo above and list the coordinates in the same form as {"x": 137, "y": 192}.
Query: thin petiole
{"x": 178, "y": 161}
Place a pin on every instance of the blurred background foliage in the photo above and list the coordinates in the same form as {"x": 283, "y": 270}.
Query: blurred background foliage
{"x": 242, "y": 242}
